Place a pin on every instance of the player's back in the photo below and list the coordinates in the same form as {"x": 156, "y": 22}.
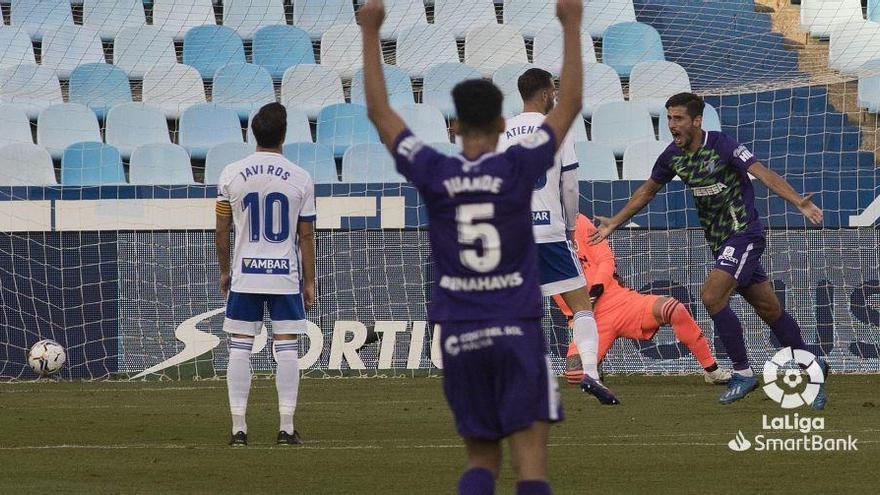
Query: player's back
{"x": 269, "y": 195}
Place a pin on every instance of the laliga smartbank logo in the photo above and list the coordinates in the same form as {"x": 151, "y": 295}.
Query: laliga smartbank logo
{"x": 792, "y": 378}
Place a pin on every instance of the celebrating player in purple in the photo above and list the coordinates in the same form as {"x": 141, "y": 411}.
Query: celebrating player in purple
{"x": 486, "y": 300}
{"x": 717, "y": 168}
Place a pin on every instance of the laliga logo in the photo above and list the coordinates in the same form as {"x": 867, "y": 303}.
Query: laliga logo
{"x": 785, "y": 393}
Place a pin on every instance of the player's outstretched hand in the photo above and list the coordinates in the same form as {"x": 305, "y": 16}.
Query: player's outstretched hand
{"x": 308, "y": 295}
{"x": 604, "y": 228}
{"x": 569, "y": 11}
{"x": 225, "y": 283}
{"x": 812, "y": 212}
{"x": 371, "y": 15}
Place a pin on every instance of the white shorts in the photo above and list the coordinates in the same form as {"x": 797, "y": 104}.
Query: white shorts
{"x": 560, "y": 268}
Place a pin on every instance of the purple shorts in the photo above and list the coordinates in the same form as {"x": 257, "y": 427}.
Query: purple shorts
{"x": 497, "y": 377}
{"x": 740, "y": 256}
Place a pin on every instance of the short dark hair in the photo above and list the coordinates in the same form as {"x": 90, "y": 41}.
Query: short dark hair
{"x": 477, "y": 104}
{"x": 269, "y": 125}
{"x": 694, "y": 104}
{"x": 532, "y": 81}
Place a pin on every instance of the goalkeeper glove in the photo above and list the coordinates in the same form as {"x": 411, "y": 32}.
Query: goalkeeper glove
{"x": 595, "y": 292}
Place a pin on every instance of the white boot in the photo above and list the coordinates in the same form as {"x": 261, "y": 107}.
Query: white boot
{"x": 718, "y": 377}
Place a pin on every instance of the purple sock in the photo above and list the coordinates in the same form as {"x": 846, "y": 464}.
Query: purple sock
{"x": 731, "y": 333}
{"x": 476, "y": 481}
{"x": 533, "y": 487}
{"x": 787, "y": 332}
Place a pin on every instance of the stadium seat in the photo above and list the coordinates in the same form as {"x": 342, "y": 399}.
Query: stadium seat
{"x": 91, "y": 164}
{"x": 316, "y": 159}
{"x": 138, "y": 49}
{"x": 425, "y": 121}
{"x": 874, "y": 10}
{"x": 108, "y": 17}
{"x": 343, "y": 125}
{"x": 317, "y": 16}
{"x": 489, "y": 47}
{"x": 160, "y": 163}
{"x": 177, "y": 17}
{"x": 278, "y": 48}
{"x": 298, "y": 128}
{"x": 601, "y": 85}
{"x": 64, "y": 124}
{"x": 578, "y": 131}
{"x": 617, "y": 124}
{"x": 246, "y": 17}
{"x": 221, "y": 155}
{"x": 17, "y": 47}
{"x": 15, "y": 127}
{"x": 99, "y": 87}
{"x": 869, "y": 93}
{"x": 639, "y": 159}
{"x": 439, "y": 81}
{"x": 29, "y": 87}
{"x": 506, "y": 78}
{"x": 243, "y": 88}
{"x": 547, "y": 49}
{"x": 207, "y": 48}
{"x": 203, "y": 126}
{"x": 35, "y": 17}
{"x": 173, "y": 88}
{"x": 822, "y": 17}
{"x": 420, "y": 47}
{"x": 368, "y": 163}
{"x": 341, "y": 50}
{"x": 711, "y": 122}
{"x": 853, "y": 47}
{"x": 26, "y": 164}
{"x": 397, "y": 83}
{"x": 401, "y": 15}
{"x": 599, "y": 14}
{"x": 652, "y": 83}
{"x": 130, "y": 125}
{"x": 461, "y": 16}
{"x": 595, "y": 162}
{"x": 310, "y": 88}
{"x": 628, "y": 43}
{"x": 68, "y": 46}
{"x": 530, "y": 16}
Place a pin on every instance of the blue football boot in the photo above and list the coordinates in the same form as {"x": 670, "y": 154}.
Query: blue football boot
{"x": 598, "y": 390}
{"x": 738, "y": 387}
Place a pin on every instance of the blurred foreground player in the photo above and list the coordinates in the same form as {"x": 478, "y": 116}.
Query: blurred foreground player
{"x": 623, "y": 312}
{"x": 716, "y": 168}
{"x": 486, "y": 302}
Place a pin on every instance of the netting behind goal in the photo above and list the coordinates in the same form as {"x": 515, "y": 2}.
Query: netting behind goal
{"x": 107, "y": 172}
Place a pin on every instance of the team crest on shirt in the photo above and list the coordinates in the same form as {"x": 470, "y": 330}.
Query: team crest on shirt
{"x": 265, "y": 266}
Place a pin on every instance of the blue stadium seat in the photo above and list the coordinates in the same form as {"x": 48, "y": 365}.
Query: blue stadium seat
{"x": 221, "y": 155}
{"x": 316, "y": 159}
{"x": 35, "y": 17}
{"x": 317, "y": 16}
{"x": 343, "y": 125}
{"x": 139, "y": 49}
{"x": 26, "y": 164}
{"x": 397, "y": 83}
{"x": 420, "y": 47}
{"x": 617, "y": 124}
{"x": 298, "y": 128}
{"x": 173, "y": 88}
{"x": 64, "y": 124}
{"x": 639, "y": 159}
{"x": 439, "y": 81}
{"x": 160, "y": 163}
{"x": 628, "y": 43}
{"x": 108, "y": 17}
{"x": 278, "y": 48}
{"x": 243, "y": 88}
{"x": 15, "y": 127}
{"x": 207, "y": 48}
{"x": 869, "y": 93}
{"x": 310, "y": 88}
{"x": 99, "y": 86}
{"x": 874, "y": 10}
{"x": 711, "y": 122}
{"x": 130, "y": 125}
{"x": 426, "y": 122}
{"x": 246, "y": 17}
{"x": 91, "y": 164}
{"x": 177, "y": 17}
{"x": 369, "y": 162}
{"x": 17, "y": 47}
{"x": 595, "y": 162}
{"x": 203, "y": 126}
{"x": 30, "y": 87}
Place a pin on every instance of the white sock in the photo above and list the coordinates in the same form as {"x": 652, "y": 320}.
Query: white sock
{"x": 586, "y": 337}
{"x": 287, "y": 381}
{"x": 238, "y": 380}
{"x": 745, "y": 372}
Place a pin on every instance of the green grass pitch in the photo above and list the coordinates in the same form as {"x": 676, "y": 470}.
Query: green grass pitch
{"x": 395, "y": 436}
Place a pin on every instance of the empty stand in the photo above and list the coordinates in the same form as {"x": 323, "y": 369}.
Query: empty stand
{"x": 618, "y": 124}
{"x": 138, "y": 49}
{"x": 108, "y": 17}
{"x": 91, "y": 164}
{"x": 243, "y": 88}
{"x": 278, "y": 48}
{"x": 203, "y": 126}
{"x": 173, "y": 88}
{"x": 426, "y": 122}
{"x": 343, "y": 125}
{"x": 221, "y": 155}
{"x": 601, "y": 85}
{"x": 176, "y": 17}
{"x": 652, "y": 83}
{"x": 369, "y": 162}
{"x": 439, "y": 81}
{"x": 160, "y": 163}
{"x": 26, "y": 164}
{"x": 639, "y": 159}
{"x": 99, "y": 86}
{"x": 489, "y": 47}
{"x": 64, "y": 124}
{"x": 30, "y": 87}
{"x": 317, "y": 16}
{"x": 595, "y": 162}
{"x": 130, "y": 125}
{"x": 316, "y": 159}
{"x": 246, "y": 17}
{"x": 420, "y": 47}
{"x": 626, "y": 44}
{"x": 207, "y": 48}
{"x": 310, "y": 88}
{"x": 15, "y": 127}
{"x": 547, "y": 49}
{"x": 461, "y": 16}
{"x": 397, "y": 82}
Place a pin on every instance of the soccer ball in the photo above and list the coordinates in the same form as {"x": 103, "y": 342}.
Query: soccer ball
{"x": 47, "y": 357}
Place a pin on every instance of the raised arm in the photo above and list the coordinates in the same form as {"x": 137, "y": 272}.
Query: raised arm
{"x": 783, "y": 189}
{"x": 643, "y": 195}
{"x": 387, "y": 122}
{"x": 571, "y": 86}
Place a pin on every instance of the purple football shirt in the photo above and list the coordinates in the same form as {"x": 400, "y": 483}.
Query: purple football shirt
{"x": 480, "y": 226}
